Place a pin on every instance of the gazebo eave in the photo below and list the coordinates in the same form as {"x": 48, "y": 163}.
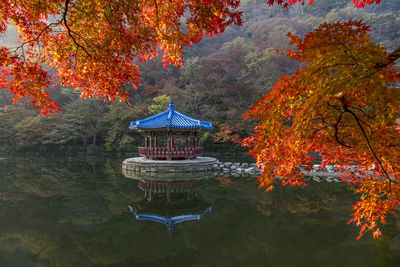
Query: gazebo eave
{"x": 168, "y": 129}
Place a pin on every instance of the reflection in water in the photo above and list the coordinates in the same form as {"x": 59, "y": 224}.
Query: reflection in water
{"x": 170, "y": 203}
{"x": 169, "y": 221}
{"x": 73, "y": 212}
{"x": 166, "y": 187}
{"x": 172, "y": 176}
{"x": 385, "y": 243}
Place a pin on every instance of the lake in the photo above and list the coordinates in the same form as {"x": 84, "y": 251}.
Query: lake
{"x": 58, "y": 211}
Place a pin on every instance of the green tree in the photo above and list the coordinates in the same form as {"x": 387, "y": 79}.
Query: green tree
{"x": 160, "y": 104}
{"x": 10, "y": 116}
{"x": 33, "y": 130}
{"x": 115, "y": 125}
{"x": 80, "y": 123}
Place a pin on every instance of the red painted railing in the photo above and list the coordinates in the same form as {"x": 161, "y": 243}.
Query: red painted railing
{"x": 173, "y": 153}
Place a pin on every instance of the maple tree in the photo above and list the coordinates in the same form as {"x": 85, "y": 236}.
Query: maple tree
{"x": 342, "y": 103}
{"x": 225, "y": 133}
{"x": 94, "y": 45}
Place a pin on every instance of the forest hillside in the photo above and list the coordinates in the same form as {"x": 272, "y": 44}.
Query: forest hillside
{"x": 221, "y": 78}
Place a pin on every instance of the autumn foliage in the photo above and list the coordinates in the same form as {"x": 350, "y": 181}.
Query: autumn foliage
{"x": 342, "y": 103}
{"x": 95, "y": 45}
{"x": 287, "y": 3}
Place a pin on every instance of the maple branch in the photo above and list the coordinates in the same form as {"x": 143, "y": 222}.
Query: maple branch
{"x": 346, "y": 109}
{"x": 336, "y": 128}
{"x": 332, "y": 65}
{"x": 319, "y": 129}
{"x": 362, "y": 111}
{"x": 34, "y": 39}
{"x": 392, "y": 57}
{"x": 349, "y": 52}
{"x": 333, "y": 106}
{"x": 155, "y": 3}
{"x": 69, "y": 29}
{"x": 335, "y": 125}
{"x": 157, "y": 19}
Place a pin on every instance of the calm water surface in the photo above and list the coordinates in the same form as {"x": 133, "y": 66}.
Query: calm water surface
{"x": 74, "y": 212}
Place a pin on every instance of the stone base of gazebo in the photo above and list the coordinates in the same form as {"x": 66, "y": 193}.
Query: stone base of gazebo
{"x": 140, "y": 166}
{"x": 168, "y": 177}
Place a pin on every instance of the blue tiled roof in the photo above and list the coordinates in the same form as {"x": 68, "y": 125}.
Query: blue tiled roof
{"x": 172, "y": 119}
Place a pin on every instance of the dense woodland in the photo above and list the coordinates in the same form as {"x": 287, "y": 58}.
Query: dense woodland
{"x": 220, "y": 79}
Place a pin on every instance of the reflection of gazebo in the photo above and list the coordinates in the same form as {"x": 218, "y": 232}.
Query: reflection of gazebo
{"x": 170, "y": 124}
{"x": 166, "y": 187}
{"x": 170, "y": 213}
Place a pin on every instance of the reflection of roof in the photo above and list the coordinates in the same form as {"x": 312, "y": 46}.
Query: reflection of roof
{"x": 169, "y": 221}
{"x": 177, "y": 204}
{"x": 170, "y": 119}
{"x": 176, "y": 210}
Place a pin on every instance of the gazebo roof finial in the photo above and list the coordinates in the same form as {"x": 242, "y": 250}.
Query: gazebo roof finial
{"x": 171, "y": 105}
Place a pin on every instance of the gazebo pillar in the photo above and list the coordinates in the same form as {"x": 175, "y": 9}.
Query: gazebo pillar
{"x": 168, "y": 145}
{"x": 194, "y": 140}
{"x": 168, "y": 142}
{"x": 187, "y": 141}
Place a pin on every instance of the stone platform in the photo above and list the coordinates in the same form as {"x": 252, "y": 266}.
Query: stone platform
{"x": 143, "y": 166}
{"x": 168, "y": 177}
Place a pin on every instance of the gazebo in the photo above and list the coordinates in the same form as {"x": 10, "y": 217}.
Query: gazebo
{"x": 168, "y": 125}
